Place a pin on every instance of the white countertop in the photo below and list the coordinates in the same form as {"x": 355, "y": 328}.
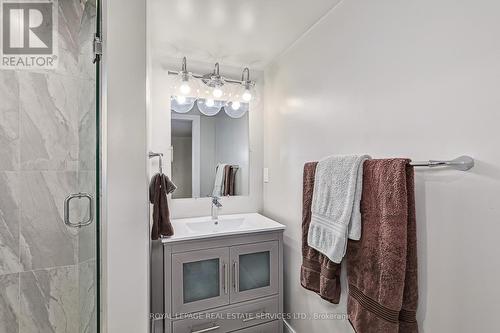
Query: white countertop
{"x": 235, "y": 224}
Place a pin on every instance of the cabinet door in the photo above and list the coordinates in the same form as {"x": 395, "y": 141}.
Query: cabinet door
{"x": 200, "y": 280}
{"x": 254, "y": 271}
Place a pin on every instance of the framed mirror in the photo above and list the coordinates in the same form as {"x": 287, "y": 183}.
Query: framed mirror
{"x": 210, "y": 153}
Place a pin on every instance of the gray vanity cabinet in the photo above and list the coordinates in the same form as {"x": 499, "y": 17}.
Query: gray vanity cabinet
{"x": 223, "y": 284}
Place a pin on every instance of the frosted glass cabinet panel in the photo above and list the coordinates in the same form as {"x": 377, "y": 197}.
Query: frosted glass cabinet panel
{"x": 200, "y": 278}
{"x": 254, "y": 271}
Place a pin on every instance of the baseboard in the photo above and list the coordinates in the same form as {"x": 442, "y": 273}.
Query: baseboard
{"x": 287, "y": 327}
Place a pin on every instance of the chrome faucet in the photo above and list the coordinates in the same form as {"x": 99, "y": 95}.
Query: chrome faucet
{"x": 215, "y": 209}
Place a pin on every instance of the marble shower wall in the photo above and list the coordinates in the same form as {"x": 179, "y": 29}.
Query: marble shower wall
{"x": 47, "y": 150}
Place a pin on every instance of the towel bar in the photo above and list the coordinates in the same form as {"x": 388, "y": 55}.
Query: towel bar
{"x": 462, "y": 163}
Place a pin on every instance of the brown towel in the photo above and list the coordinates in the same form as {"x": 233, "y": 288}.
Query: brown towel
{"x": 232, "y": 182}
{"x": 159, "y": 187}
{"x": 382, "y": 265}
{"x": 317, "y": 273}
{"x": 227, "y": 179}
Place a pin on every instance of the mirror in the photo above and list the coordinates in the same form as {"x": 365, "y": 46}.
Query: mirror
{"x": 210, "y": 154}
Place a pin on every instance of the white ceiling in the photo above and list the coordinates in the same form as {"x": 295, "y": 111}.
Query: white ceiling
{"x": 234, "y": 32}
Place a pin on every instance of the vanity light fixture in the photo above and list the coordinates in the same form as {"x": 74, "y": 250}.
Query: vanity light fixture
{"x": 185, "y": 90}
{"x": 185, "y": 84}
{"x": 248, "y": 86}
{"x": 215, "y": 82}
{"x": 212, "y": 92}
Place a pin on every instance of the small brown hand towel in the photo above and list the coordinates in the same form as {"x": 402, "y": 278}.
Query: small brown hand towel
{"x": 159, "y": 187}
{"x": 232, "y": 188}
{"x": 317, "y": 273}
{"x": 227, "y": 179}
{"x": 382, "y": 265}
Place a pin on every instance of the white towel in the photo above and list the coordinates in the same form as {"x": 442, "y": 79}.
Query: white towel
{"x": 335, "y": 209}
{"x": 219, "y": 180}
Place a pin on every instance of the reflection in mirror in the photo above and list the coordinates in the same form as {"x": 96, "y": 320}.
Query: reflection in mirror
{"x": 210, "y": 153}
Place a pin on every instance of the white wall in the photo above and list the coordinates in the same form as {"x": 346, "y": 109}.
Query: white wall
{"x": 125, "y": 245}
{"x": 417, "y": 79}
{"x": 159, "y": 138}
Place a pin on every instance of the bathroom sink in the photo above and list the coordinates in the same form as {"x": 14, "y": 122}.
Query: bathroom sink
{"x": 205, "y": 227}
{"x": 223, "y": 224}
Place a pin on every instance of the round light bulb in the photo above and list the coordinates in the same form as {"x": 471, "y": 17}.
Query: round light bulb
{"x": 235, "y": 105}
{"x": 247, "y": 96}
{"x": 185, "y": 88}
{"x": 217, "y": 92}
{"x": 181, "y": 99}
{"x": 236, "y": 109}
{"x": 181, "y": 104}
{"x": 209, "y": 107}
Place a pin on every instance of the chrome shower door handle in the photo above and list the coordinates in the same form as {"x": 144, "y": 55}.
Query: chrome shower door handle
{"x": 66, "y": 209}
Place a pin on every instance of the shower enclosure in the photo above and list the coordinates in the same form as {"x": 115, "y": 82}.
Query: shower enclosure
{"x": 49, "y": 184}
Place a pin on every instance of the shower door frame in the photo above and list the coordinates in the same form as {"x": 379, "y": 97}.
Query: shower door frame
{"x": 99, "y": 165}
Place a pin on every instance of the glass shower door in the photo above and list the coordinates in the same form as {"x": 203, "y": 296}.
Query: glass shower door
{"x": 49, "y": 218}
{"x": 81, "y": 207}
{"x": 88, "y": 173}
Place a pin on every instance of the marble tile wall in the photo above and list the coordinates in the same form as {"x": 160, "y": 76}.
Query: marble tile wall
{"x": 48, "y": 127}
{"x": 86, "y": 291}
{"x": 47, "y": 150}
{"x": 9, "y": 303}
{"x": 49, "y": 300}
{"x": 45, "y": 240}
{"x": 9, "y": 222}
{"x": 9, "y": 121}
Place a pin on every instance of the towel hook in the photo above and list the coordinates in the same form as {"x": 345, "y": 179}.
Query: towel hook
{"x": 160, "y": 157}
